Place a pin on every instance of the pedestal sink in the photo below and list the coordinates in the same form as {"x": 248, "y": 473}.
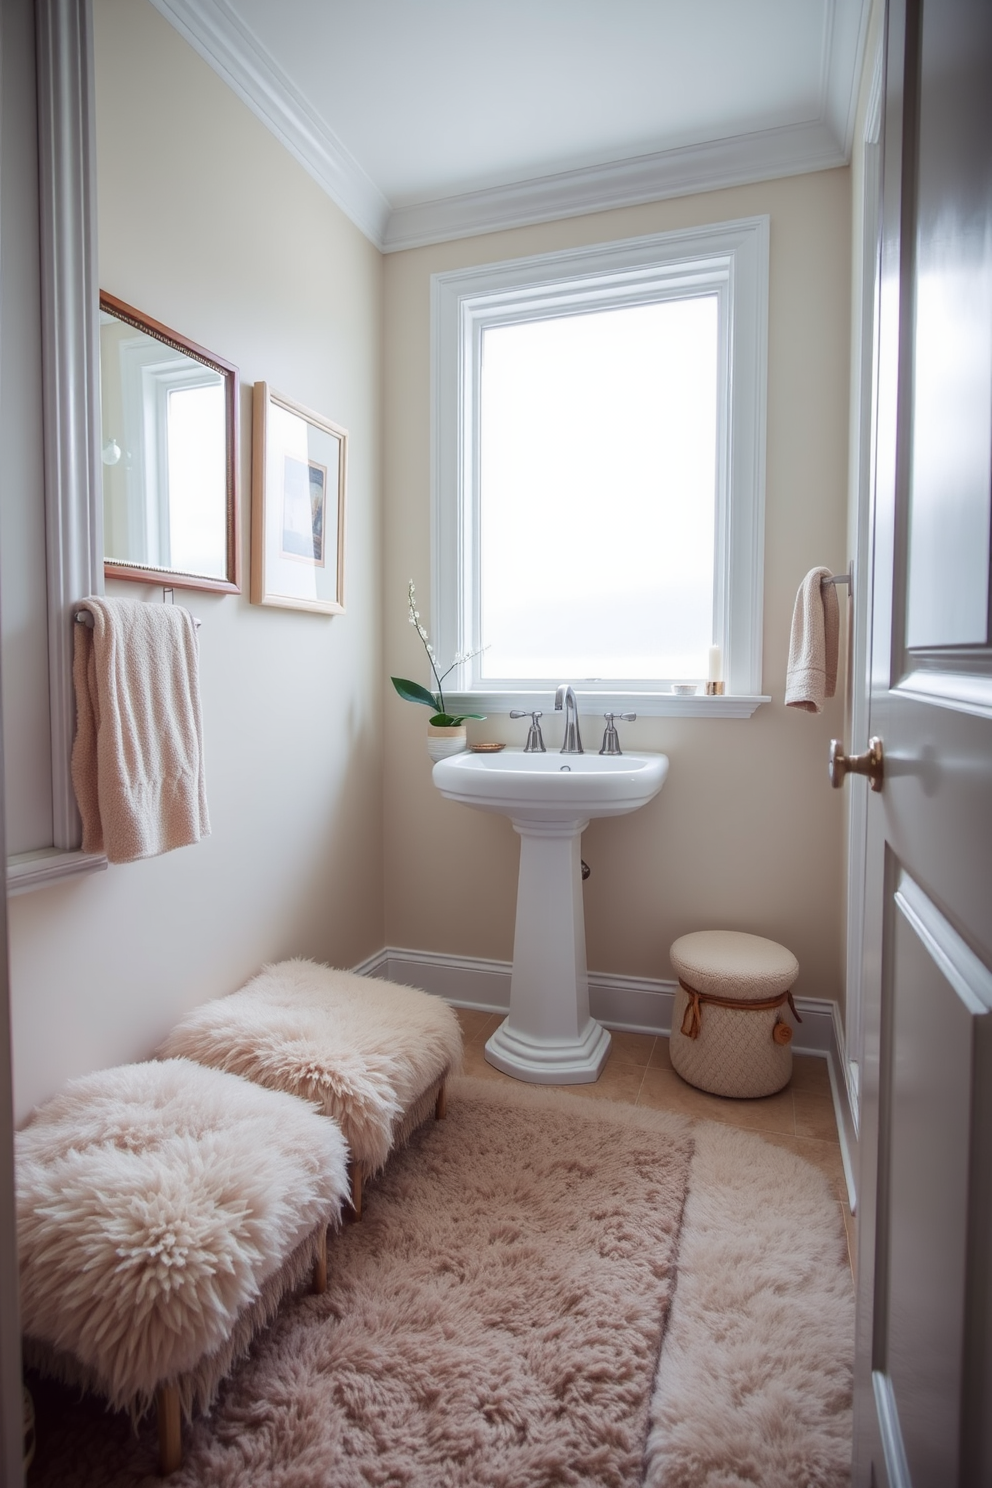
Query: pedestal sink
{"x": 549, "y": 1037}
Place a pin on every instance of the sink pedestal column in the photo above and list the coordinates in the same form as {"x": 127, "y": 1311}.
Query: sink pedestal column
{"x": 549, "y": 1037}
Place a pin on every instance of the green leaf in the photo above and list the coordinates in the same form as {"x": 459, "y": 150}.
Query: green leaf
{"x": 461, "y": 717}
{"x": 412, "y": 692}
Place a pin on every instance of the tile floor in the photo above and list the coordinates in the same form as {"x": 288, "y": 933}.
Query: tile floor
{"x": 800, "y": 1117}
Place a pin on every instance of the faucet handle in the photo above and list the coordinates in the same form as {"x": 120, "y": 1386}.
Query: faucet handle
{"x": 535, "y": 740}
{"x": 611, "y": 742}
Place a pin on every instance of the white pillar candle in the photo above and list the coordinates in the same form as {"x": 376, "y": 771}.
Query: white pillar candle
{"x": 716, "y": 665}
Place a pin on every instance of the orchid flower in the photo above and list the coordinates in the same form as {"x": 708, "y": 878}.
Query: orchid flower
{"x": 413, "y": 692}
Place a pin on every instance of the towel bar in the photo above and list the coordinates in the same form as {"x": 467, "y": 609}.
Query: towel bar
{"x": 847, "y": 578}
{"x": 83, "y": 617}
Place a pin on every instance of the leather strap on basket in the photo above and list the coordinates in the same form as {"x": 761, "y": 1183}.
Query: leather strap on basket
{"x": 692, "y": 1022}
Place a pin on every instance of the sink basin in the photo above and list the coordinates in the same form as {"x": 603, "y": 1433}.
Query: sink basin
{"x": 549, "y": 1037}
{"x": 552, "y": 787}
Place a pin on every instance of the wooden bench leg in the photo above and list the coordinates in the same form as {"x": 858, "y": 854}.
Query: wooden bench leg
{"x": 170, "y": 1438}
{"x": 319, "y": 1284}
{"x": 357, "y": 1174}
{"x": 441, "y": 1108}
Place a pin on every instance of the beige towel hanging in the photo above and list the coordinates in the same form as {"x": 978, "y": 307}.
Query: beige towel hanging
{"x": 137, "y": 759}
{"x": 812, "y": 671}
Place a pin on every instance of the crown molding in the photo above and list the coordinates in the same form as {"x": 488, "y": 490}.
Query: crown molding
{"x": 683, "y": 172}
{"x": 223, "y": 41}
{"x": 214, "y": 30}
{"x": 844, "y": 45}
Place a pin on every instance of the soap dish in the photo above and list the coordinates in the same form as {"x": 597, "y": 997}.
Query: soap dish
{"x": 486, "y": 748}
{"x": 684, "y": 689}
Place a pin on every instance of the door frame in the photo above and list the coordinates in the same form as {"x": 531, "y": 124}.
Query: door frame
{"x": 863, "y": 390}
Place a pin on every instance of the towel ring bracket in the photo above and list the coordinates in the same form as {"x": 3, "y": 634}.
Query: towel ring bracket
{"x": 845, "y": 578}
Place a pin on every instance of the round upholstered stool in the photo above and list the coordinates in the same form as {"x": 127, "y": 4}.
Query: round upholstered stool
{"x": 730, "y": 1028}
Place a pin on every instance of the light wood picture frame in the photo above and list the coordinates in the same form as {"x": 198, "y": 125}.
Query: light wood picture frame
{"x": 298, "y": 486}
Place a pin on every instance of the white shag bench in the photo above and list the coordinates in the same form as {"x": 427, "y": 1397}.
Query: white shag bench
{"x": 373, "y": 1055}
{"x": 730, "y": 1030}
{"x": 163, "y": 1211}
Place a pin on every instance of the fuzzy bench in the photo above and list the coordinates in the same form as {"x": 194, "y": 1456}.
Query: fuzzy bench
{"x": 163, "y": 1211}
{"x": 372, "y": 1055}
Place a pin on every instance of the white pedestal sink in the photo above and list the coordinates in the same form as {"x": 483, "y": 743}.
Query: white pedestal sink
{"x": 549, "y": 1037}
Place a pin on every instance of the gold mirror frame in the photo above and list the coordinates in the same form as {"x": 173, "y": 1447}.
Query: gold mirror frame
{"x": 148, "y": 573}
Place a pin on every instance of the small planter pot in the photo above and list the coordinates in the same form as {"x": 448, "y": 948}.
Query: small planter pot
{"x": 444, "y": 741}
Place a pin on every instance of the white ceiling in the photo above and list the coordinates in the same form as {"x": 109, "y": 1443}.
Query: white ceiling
{"x": 433, "y": 119}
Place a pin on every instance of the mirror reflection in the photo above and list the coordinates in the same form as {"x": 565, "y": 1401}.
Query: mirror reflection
{"x": 168, "y": 447}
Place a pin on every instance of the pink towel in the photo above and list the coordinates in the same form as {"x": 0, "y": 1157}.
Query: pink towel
{"x": 137, "y": 759}
{"x": 812, "y": 671}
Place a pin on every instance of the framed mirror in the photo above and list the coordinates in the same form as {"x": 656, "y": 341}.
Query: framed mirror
{"x": 169, "y": 446}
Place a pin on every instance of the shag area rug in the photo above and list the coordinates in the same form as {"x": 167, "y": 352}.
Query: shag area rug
{"x": 545, "y": 1290}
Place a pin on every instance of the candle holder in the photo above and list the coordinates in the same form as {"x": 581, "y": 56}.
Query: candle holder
{"x": 714, "y": 689}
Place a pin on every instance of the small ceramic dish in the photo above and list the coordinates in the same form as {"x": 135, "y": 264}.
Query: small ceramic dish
{"x": 684, "y": 689}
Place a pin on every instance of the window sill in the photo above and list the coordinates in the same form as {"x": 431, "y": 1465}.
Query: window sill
{"x": 37, "y": 870}
{"x": 645, "y": 704}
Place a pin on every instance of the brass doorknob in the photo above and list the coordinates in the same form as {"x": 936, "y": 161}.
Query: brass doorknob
{"x": 871, "y": 763}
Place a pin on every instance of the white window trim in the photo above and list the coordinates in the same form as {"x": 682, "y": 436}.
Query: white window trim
{"x": 731, "y": 257}
{"x": 148, "y": 374}
{"x": 73, "y": 513}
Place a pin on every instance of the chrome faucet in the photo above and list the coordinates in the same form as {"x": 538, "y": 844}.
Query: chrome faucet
{"x": 611, "y": 741}
{"x": 565, "y": 698}
{"x": 535, "y": 741}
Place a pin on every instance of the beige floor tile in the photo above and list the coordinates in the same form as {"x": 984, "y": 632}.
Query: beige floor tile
{"x": 666, "y": 1091}
{"x": 620, "y": 1082}
{"x": 810, "y": 1073}
{"x": 815, "y": 1116}
{"x": 851, "y": 1226}
{"x": 472, "y": 1022}
{"x": 660, "y": 1056}
{"x": 475, "y": 1063}
{"x": 631, "y": 1048}
{"x": 662, "y": 1090}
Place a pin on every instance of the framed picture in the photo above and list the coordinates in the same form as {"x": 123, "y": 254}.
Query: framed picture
{"x": 299, "y": 469}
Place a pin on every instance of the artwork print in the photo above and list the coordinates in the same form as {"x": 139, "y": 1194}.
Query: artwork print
{"x": 304, "y": 510}
{"x": 299, "y": 477}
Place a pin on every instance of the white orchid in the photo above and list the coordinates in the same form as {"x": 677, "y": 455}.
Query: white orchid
{"x": 413, "y": 692}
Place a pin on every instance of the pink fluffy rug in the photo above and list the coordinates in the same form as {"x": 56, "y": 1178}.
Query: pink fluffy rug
{"x": 497, "y": 1319}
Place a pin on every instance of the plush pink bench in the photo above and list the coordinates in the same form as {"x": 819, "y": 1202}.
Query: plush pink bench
{"x": 372, "y": 1055}
{"x": 163, "y": 1211}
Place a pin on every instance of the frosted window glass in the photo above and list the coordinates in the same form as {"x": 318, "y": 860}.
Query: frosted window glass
{"x": 598, "y": 466}
{"x": 197, "y": 472}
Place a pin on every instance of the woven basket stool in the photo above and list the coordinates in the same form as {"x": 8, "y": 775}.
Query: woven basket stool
{"x": 730, "y": 1033}
{"x": 163, "y": 1211}
{"x": 372, "y": 1055}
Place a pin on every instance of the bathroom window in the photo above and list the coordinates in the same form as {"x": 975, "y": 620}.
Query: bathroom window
{"x": 598, "y": 478}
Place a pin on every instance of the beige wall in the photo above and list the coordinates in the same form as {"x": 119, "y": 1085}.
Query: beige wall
{"x": 322, "y": 844}
{"x": 746, "y": 833}
{"x": 208, "y": 225}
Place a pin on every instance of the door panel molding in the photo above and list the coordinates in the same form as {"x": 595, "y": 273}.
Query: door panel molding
{"x": 966, "y": 692}
{"x": 890, "y": 1431}
{"x": 954, "y": 958}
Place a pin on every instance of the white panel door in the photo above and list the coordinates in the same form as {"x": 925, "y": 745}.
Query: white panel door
{"x": 924, "y": 1353}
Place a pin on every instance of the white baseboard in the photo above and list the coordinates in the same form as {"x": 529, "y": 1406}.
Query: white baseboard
{"x": 628, "y": 1004}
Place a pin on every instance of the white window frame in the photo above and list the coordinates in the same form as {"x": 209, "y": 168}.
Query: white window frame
{"x": 71, "y": 400}
{"x": 149, "y": 373}
{"x": 729, "y": 259}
